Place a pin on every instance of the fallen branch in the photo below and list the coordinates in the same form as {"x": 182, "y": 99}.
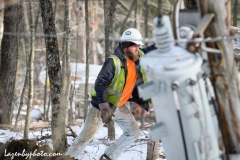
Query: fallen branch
{"x": 73, "y": 134}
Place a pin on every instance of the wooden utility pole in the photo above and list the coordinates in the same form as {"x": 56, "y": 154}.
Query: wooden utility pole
{"x": 224, "y": 72}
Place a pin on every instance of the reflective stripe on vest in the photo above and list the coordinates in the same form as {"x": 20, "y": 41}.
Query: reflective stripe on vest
{"x": 117, "y": 65}
{"x": 115, "y": 88}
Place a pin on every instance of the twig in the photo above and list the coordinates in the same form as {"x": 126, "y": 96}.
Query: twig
{"x": 73, "y": 133}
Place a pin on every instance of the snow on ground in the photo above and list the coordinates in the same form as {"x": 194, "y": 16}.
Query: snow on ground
{"x": 137, "y": 151}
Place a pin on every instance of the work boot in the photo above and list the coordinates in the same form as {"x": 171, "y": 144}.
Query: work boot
{"x": 104, "y": 157}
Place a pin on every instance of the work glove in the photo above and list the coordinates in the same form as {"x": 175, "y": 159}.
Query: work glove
{"x": 106, "y": 112}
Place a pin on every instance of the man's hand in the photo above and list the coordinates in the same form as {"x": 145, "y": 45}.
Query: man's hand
{"x": 106, "y": 112}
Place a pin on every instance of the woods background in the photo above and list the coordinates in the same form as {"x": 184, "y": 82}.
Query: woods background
{"x": 47, "y": 35}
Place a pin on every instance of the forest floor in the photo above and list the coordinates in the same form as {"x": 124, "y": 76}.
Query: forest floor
{"x": 39, "y": 144}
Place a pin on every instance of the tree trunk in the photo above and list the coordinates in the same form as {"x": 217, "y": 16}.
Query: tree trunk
{"x": 146, "y": 21}
{"x": 70, "y": 110}
{"x": 54, "y": 71}
{"x": 77, "y": 105}
{"x": 159, "y": 7}
{"x": 135, "y": 14}
{"x": 9, "y": 54}
{"x": 45, "y": 97}
{"x": 30, "y": 72}
{"x": 109, "y": 16}
{"x": 23, "y": 90}
{"x": 66, "y": 69}
{"x": 86, "y": 96}
{"x": 224, "y": 77}
{"x": 123, "y": 25}
{"x": 235, "y": 13}
{"x": 48, "y": 107}
{"x": 1, "y": 20}
{"x": 127, "y": 16}
{"x": 143, "y": 116}
{"x": 152, "y": 150}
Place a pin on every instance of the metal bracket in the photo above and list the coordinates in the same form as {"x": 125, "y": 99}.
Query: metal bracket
{"x": 157, "y": 131}
{"x": 149, "y": 89}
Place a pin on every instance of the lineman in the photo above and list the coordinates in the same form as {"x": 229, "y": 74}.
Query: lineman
{"x": 115, "y": 85}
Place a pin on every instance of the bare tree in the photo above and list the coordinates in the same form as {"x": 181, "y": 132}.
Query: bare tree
{"x": 159, "y": 6}
{"x": 54, "y": 72}
{"x": 127, "y": 16}
{"x": 152, "y": 150}
{"x": 23, "y": 90}
{"x": 224, "y": 73}
{"x": 1, "y": 19}
{"x": 109, "y": 15}
{"x": 87, "y": 60}
{"x": 109, "y": 12}
{"x": 235, "y": 13}
{"x": 9, "y": 54}
{"x": 30, "y": 72}
{"x": 45, "y": 97}
{"x": 66, "y": 70}
{"x": 135, "y": 14}
{"x": 146, "y": 21}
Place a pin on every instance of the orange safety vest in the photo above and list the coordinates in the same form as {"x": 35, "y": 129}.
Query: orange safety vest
{"x": 130, "y": 82}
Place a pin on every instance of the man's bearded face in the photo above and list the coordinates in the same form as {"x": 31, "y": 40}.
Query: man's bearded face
{"x": 132, "y": 52}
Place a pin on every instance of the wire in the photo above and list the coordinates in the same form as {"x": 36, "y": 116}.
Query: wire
{"x": 215, "y": 106}
{"x": 176, "y": 100}
{"x": 40, "y": 35}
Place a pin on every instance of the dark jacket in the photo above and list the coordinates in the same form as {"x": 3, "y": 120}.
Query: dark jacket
{"x": 107, "y": 73}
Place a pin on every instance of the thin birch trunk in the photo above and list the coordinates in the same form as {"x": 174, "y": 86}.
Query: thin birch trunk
{"x": 1, "y": 20}
{"x": 143, "y": 115}
{"x": 48, "y": 107}
{"x": 235, "y": 13}
{"x": 30, "y": 72}
{"x": 127, "y": 16}
{"x": 66, "y": 70}
{"x": 135, "y": 14}
{"x": 86, "y": 96}
{"x": 146, "y": 21}
{"x": 159, "y": 7}
{"x": 23, "y": 90}
{"x": 70, "y": 110}
{"x": 45, "y": 96}
{"x": 123, "y": 26}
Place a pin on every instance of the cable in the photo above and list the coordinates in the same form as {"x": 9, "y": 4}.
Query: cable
{"x": 41, "y": 35}
{"x": 175, "y": 86}
{"x": 218, "y": 117}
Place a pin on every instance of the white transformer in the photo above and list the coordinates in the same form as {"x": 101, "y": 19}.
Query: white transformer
{"x": 184, "y": 121}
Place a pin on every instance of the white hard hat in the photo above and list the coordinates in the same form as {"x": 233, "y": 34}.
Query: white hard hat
{"x": 132, "y": 35}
